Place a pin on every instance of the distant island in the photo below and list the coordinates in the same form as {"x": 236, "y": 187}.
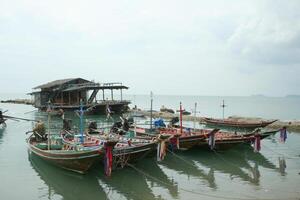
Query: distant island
{"x": 292, "y": 96}
{"x": 258, "y": 95}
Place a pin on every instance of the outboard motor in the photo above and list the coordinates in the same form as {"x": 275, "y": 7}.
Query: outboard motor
{"x": 92, "y": 126}
{"x": 126, "y": 125}
{"x": 116, "y": 127}
{"x": 67, "y": 124}
{"x": 39, "y": 131}
{"x": 173, "y": 121}
{"x": 130, "y": 120}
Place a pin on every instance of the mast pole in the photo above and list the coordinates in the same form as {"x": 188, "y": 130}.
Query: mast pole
{"x": 180, "y": 116}
{"x": 49, "y": 137}
{"x": 81, "y": 122}
{"x": 223, "y": 107}
{"x": 151, "y": 104}
{"x": 195, "y": 111}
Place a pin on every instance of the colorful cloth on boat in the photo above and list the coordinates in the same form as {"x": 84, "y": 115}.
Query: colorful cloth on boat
{"x": 211, "y": 140}
{"x": 283, "y": 135}
{"x": 108, "y": 158}
{"x": 161, "y": 150}
{"x": 159, "y": 123}
{"x": 257, "y": 146}
{"x": 174, "y": 143}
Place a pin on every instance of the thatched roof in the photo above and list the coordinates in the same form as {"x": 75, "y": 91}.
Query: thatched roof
{"x": 58, "y": 83}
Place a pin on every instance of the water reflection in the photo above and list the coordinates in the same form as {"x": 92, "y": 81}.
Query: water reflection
{"x": 67, "y": 184}
{"x": 190, "y": 169}
{"x": 241, "y": 163}
{"x": 127, "y": 183}
{"x": 137, "y": 182}
{"x": 282, "y": 166}
{"x": 151, "y": 167}
{"x": 2, "y": 132}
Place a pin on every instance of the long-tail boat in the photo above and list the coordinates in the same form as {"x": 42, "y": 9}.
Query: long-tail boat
{"x": 126, "y": 150}
{"x": 231, "y": 122}
{"x": 226, "y": 140}
{"x": 78, "y": 159}
{"x": 187, "y": 140}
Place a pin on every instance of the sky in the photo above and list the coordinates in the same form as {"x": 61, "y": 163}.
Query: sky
{"x": 172, "y": 47}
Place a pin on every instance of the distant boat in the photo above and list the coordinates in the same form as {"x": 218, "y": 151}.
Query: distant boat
{"x": 199, "y": 137}
{"x": 237, "y": 123}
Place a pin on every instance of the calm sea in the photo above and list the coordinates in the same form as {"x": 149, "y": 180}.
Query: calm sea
{"x": 239, "y": 173}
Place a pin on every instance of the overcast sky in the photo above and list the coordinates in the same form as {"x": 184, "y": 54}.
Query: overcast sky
{"x": 188, "y": 47}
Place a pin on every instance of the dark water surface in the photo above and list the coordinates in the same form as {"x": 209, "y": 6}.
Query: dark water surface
{"x": 238, "y": 173}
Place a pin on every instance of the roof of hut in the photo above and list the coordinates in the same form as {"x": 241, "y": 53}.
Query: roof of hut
{"x": 58, "y": 83}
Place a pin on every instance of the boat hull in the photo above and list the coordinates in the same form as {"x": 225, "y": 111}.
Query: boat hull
{"x": 236, "y": 124}
{"x": 77, "y": 161}
{"x": 131, "y": 154}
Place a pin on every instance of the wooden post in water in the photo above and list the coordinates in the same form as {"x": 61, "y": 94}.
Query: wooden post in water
{"x": 151, "y": 96}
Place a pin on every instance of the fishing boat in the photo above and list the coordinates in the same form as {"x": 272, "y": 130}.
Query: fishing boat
{"x": 186, "y": 140}
{"x": 231, "y": 122}
{"x": 225, "y": 140}
{"x": 126, "y": 149}
{"x": 78, "y": 158}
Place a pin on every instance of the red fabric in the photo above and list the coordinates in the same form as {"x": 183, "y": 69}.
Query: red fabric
{"x": 108, "y": 160}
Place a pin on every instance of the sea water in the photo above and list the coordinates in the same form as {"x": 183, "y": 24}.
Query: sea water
{"x": 239, "y": 173}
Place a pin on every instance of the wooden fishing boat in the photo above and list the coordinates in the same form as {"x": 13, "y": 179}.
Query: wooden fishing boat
{"x": 186, "y": 139}
{"x": 226, "y": 140}
{"x": 200, "y": 137}
{"x": 77, "y": 159}
{"x": 237, "y": 123}
{"x": 126, "y": 150}
{"x": 132, "y": 151}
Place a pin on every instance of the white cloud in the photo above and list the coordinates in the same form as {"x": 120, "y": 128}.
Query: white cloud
{"x": 272, "y": 36}
{"x": 212, "y": 47}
